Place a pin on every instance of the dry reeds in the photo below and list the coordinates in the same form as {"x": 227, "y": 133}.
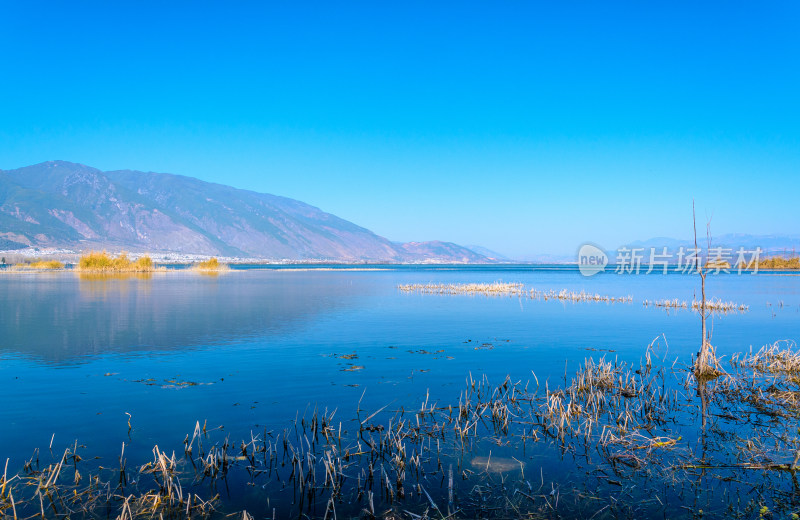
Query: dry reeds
{"x": 511, "y": 289}
{"x": 624, "y": 422}
{"x": 717, "y": 305}
{"x": 777, "y": 262}
{"x": 575, "y": 296}
{"x": 666, "y": 304}
{"x": 212, "y": 264}
{"x": 486, "y": 289}
{"x": 782, "y": 357}
{"x": 712, "y": 305}
{"x": 388, "y": 457}
{"x": 102, "y": 262}
{"x": 41, "y": 265}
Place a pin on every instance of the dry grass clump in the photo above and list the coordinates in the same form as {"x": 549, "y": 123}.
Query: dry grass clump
{"x": 779, "y": 262}
{"x": 104, "y": 263}
{"x": 212, "y": 264}
{"x": 781, "y": 357}
{"x": 711, "y": 368}
{"x": 42, "y": 265}
{"x": 769, "y": 383}
{"x": 574, "y": 296}
{"x": 717, "y": 305}
{"x": 713, "y": 305}
{"x": 64, "y": 488}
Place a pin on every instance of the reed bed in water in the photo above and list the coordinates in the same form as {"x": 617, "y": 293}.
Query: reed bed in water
{"x": 212, "y": 264}
{"x": 667, "y": 304}
{"x": 717, "y": 305}
{"x": 620, "y": 426}
{"x": 782, "y": 357}
{"x": 102, "y": 262}
{"x": 488, "y": 289}
{"x": 518, "y": 289}
{"x": 399, "y": 461}
{"x": 510, "y": 289}
{"x": 712, "y": 305}
{"x": 778, "y": 262}
{"x": 40, "y": 265}
{"x": 577, "y": 296}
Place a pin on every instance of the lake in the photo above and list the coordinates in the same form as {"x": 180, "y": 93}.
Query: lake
{"x": 252, "y": 349}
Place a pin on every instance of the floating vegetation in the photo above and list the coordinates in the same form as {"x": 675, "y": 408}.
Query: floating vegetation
{"x": 346, "y": 356}
{"x": 168, "y": 383}
{"x": 632, "y": 441}
{"x": 426, "y": 352}
{"x": 484, "y": 346}
{"x": 212, "y": 264}
{"x": 104, "y": 263}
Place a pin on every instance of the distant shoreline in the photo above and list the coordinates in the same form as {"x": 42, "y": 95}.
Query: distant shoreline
{"x": 387, "y": 266}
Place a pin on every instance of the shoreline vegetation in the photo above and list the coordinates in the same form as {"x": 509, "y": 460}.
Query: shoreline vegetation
{"x": 649, "y": 432}
{"x": 780, "y": 263}
{"x": 777, "y": 262}
{"x": 102, "y": 262}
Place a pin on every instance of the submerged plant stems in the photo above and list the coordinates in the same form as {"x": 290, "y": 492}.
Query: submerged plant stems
{"x": 622, "y": 420}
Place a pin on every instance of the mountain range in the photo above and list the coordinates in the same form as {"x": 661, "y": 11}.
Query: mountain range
{"x": 69, "y": 205}
{"x": 770, "y": 245}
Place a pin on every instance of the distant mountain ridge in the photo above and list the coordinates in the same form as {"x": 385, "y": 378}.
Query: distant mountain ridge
{"x": 770, "y": 244}
{"x": 488, "y": 253}
{"x": 730, "y": 243}
{"x": 64, "y": 204}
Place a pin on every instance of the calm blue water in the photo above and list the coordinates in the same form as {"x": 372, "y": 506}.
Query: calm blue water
{"x": 77, "y": 353}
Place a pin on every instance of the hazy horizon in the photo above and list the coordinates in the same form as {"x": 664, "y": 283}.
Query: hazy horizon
{"x": 523, "y": 129}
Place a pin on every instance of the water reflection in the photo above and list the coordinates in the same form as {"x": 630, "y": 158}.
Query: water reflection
{"x": 66, "y": 317}
{"x": 107, "y": 277}
{"x": 104, "y": 284}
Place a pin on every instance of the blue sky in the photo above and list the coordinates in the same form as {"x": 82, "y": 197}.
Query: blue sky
{"x": 524, "y": 127}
